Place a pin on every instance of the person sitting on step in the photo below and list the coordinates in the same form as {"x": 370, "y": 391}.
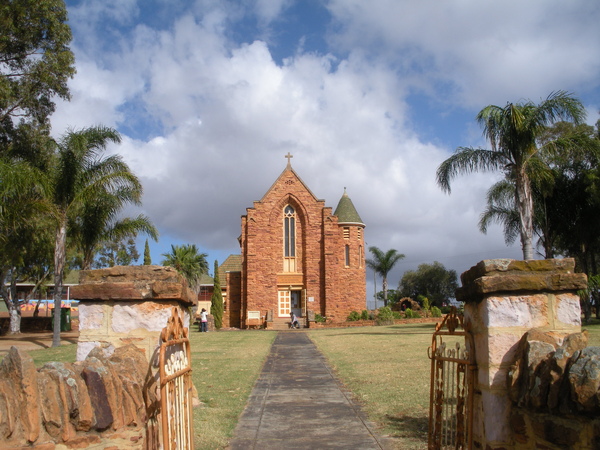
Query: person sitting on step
{"x": 294, "y": 321}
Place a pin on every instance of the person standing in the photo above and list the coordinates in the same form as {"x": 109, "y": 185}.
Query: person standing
{"x": 203, "y": 321}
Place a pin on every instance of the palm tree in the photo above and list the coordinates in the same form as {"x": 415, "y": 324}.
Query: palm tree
{"x": 189, "y": 262}
{"x": 79, "y": 176}
{"x": 513, "y": 132}
{"x": 382, "y": 263}
{"x": 97, "y": 223}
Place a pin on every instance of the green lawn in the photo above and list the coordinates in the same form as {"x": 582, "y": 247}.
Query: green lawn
{"x": 593, "y": 330}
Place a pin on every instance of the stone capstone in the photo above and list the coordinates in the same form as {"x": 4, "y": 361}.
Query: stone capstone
{"x": 508, "y": 275}
{"x": 133, "y": 283}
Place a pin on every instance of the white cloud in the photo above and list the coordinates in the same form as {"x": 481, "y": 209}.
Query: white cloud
{"x": 487, "y": 52}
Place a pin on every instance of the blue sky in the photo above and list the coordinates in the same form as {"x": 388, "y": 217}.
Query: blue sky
{"x": 210, "y": 95}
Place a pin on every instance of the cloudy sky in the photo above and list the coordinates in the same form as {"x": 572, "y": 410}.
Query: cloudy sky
{"x": 209, "y": 96}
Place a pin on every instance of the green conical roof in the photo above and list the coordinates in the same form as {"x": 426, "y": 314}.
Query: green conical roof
{"x": 346, "y": 212}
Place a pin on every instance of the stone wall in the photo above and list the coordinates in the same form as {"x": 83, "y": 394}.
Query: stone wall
{"x": 504, "y": 299}
{"x": 554, "y": 387}
{"x": 98, "y": 401}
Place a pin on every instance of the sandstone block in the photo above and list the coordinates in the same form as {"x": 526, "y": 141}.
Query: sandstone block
{"x": 17, "y": 367}
{"x": 502, "y": 276}
{"x": 91, "y": 315}
{"x": 568, "y": 309}
{"x": 584, "y": 379}
{"x": 133, "y": 283}
{"x": 148, "y": 316}
{"x": 97, "y": 389}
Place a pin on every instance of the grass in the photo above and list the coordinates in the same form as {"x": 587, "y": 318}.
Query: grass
{"x": 387, "y": 369}
{"x": 64, "y": 353}
{"x": 593, "y": 329}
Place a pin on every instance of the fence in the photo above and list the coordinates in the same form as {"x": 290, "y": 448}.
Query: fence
{"x": 452, "y": 380}
{"x": 176, "y": 386}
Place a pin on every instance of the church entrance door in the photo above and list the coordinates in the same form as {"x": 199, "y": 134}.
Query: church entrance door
{"x": 295, "y": 304}
{"x": 289, "y": 301}
{"x": 284, "y": 303}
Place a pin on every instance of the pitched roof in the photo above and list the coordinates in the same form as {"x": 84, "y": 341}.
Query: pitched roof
{"x": 206, "y": 280}
{"x": 233, "y": 263}
{"x": 346, "y": 212}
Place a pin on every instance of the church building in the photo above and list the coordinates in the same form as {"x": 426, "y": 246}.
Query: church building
{"x": 296, "y": 256}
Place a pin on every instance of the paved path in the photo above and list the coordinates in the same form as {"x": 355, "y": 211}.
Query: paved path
{"x": 297, "y": 403}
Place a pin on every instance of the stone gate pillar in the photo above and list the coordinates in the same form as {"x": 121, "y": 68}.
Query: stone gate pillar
{"x": 128, "y": 305}
{"x": 503, "y": 300}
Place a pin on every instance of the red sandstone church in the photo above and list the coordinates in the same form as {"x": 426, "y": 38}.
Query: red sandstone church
{"x": 296, "y": 256}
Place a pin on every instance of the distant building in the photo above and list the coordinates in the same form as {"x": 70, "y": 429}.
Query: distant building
{"x": 296, "y": 255}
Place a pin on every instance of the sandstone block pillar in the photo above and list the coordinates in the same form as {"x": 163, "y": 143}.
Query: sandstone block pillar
{"x": 128, "y": 305}
{"x": 503, "y": 300}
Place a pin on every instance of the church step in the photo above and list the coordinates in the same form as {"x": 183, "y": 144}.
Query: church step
{"x": 283, "y": 323}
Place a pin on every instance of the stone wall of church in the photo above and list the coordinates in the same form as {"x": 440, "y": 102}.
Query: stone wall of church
{"x": 233, "y": 304}
{"x": 263, "y": 242}
{"x": 350, "y": 280}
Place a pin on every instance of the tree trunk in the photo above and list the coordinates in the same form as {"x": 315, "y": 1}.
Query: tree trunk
{"x": 525, "y": 206}
{"x": 385, "y": 289}
{"x": 14, "y": 312}
{"x": 59, "y": 267}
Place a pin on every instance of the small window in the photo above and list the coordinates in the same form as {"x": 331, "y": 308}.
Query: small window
{"x": 360, "y": 256}
{"x": 359, "y": 234}
{"x": 347, "y": 255}
{"x": 346, "y": 232}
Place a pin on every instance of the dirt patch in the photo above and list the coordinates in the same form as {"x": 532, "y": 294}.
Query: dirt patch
{"x": 35, "y": 340}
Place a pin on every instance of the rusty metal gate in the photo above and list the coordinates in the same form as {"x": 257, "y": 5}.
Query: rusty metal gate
{"x": 176, "y": 385}
{"x": 452, "y": 379}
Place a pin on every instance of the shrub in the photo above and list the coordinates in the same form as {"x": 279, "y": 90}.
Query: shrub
{"x": 410, "y": 314}
{"x": 353, "y": 316}
{"x": 385, "y": 316}
{"x": 397, "y": 314}
{"x": 436, "y": 312}
{"x": 445, "y": 309}
{"x": 424, "y": 302}
{"x": 319, "y": 318}
{"x": 364, "y": 315}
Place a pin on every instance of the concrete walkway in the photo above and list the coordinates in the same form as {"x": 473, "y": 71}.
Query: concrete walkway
{"x": 297, "y": 403}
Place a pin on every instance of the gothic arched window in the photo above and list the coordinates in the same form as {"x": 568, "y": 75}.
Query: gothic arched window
{"x": 289, "y": 239}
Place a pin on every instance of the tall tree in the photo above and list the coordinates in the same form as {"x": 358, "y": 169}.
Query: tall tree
{"x": 80, "y": 174}
{"x": 216, "y": 300}
{"x": 35, "y": 61}
{"x": 22, "y": 230}
{"x": 433, "y": 281}
{"x": 117, "y": 253}
{"x": 382, "y": 263}
{"x": 147, "y": 257}
{"x": 513, "y": 132}
{"x": 189, "y": 262}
